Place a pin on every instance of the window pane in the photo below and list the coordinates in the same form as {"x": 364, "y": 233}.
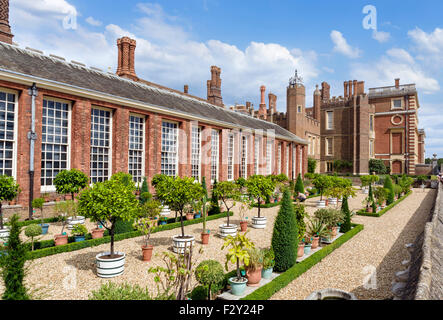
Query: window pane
{"x": 136, "y": 150}
{"x": 100, "y": 147}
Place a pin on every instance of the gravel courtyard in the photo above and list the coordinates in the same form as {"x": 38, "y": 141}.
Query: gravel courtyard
{"x": 72, "y": 275}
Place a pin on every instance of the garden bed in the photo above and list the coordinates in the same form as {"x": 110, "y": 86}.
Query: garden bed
{"x": 385, "y": 210}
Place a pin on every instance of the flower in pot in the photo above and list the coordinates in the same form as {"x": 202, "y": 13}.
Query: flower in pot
{"x": 79, "y": 232}
{"x": 209, "y": 274}
{"x": 259, "y": 188}
{"x": 146, "y": 223}
{"x": 229, "y": 193}
{"x": 178, "y": 193}
{"x": 32, "y": 231}
{"x": 381, "y": 194}
{"x": 38, "y": 204}
{"x": 254, "y": 267}
{"x": 238, "y": 253}
{"x": 268, "y": 263}
{"x": 112, "y": 200}
{"x": 9, "y": 189}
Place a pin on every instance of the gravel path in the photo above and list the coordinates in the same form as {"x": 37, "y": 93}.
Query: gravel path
{"x": 380, "y": 246}
{"x": 72, "y": 275}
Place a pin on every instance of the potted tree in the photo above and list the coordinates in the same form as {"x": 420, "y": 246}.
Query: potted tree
{"x": 301, "y": 249}
{"x": 381, "y": 194}
{"x": 268, "y": 263}
{"x": 259, "y": 188}
{"x": 229, "y": 193}
{"x": 322, "y": 183}
{"x": 8, "y": 191}
{"x": 79, "y": 232}
{"x": 178, "y": 193}
{"x": 255, "y": 267}
{"x": 32, "y": 231}
{"x": 146, "y": 223}
{"x": 98, "y": 232}
{"x": 62, "y": 238}
{"x": 209, "y": 273}
{"x": 71, "y": 182}
{"x": 38, "y": 204}
{"x": 243, "y": 209}
{"x": 316, "y": 230}
{"x": 237, "y": 254}
{"x": 308, "y": 244}
{"x": 111, "y": 201}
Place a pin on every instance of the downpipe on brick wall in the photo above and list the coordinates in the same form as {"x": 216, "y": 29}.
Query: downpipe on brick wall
{"x": 32, "y": 136}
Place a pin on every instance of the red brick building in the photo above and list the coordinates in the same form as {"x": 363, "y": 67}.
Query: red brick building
{"x": 103, "y": 123}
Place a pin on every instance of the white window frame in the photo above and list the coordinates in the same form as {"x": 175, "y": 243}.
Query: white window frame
{"x": 15, "y": 138}
{"x": 329, "y": 143}
{"x": 371, "y": 148}
{"x": 279, "y": 158}
{"x": 256, "y": 155}
{"x": 231, "y": 144}
{"x": 393, "y": 104}
{"x": 269, "y": 150}
{"x": 287, "y": 160}
{"x": 330, "y": 121}
{"x": 215, "y": 154}
{"x": 294, "y": 161}
{"x": 244, "y": 157}
{"x": 111, "y": 129}
{"x": 196, "y": 152}
{"x": 177, "y": 144}
{"x": 138, "y": 183}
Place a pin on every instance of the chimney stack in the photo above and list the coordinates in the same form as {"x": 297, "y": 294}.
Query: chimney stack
{"x": 214, "y": 87}
{"x": 325, "y": 91}
{"x": 5, "y": 29}
{"x": 272, "y": 103}
{"x": 397, "y": 83}
{"x": 317, "y": 103}
{"x": 346, "y": 89}
{"x": 186, "y": 89}
{"x": 126, "y": 58}
{"x": 262, "y": 109}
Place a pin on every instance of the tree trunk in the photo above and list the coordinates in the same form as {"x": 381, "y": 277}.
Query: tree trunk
{"x": 182, "y": 224}
{"x": 209, "y": 292}
{"x": 112, "y": 237}
{"x": 228, "y": 216}
{"x": 238, "y": 270}
{"x": 259, "y": 206}
{"x": 1, "y": 216}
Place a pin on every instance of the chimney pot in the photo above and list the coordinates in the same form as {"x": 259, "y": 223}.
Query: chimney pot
{"x": 186, "y": 89}
{"x": 126, "y": 58}
{"x": 397, "y": 83}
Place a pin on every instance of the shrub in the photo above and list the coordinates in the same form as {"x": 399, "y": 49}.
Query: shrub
{"x": 70, "y": 182}
{"x": 238, "y": 251}
{"x": 330, "y": 217}
{"x": 268, "y": 258}
{"x": 215, "y": 206}
{"x": 300, "y": 214}
{"x": 260, "y": 188}
{"x": 199, "y": 293}
{"x": 228, "y": 192}
{"x": 32, "y": 231}
{"x": 285, "y": 236}
{"x": 346, "y": 226}
{"x": 13, "y": 265}
{"x": 377, "y": 166}
{"x": 8, "y": 192}
{"x": 391, "y": 195}
{"x": 312, "y": 165}
{"x": 299, "y": 186}
{"x": 144, "y": 192}
{"x": 322, "y": 183}
{"x": 210, "y": 274}
{"x": 112, "y": 291}
{"x": 79, "y": 230}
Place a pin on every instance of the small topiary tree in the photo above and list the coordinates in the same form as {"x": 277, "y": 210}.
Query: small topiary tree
{"x": 38, "y": 204}
{"x": 210, "y": 274}
{"x": 70, "y": 182}
{"x": 285, "y": 236}
{"x": 312, "y": 165}
{"x": 144, "y": 192}
{"x": 215, "y": 206}
{"x": 377, "y": 166}
{"x": 228, "y": 192}
{"x": 322, "y": 183}
{"x": 32, "y": 231}
{"x": 391, "y": 194}
{"x": 299, "y": 186}
{"x": 300, "y": 214}
{"x": 8, "y": 192}
{"x": 13, "y": 265}
{"x": 346, "y": 226}
{"x": 112, "y": 200}
{"x": 259, "y": 188}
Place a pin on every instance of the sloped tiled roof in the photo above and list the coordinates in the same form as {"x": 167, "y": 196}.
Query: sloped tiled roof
{"x": 30, "y": 63}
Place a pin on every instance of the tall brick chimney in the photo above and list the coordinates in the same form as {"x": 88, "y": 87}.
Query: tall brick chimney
{"x": 262, "y": 112}
{"x": 317, "y": 103}
{"x": 5, "y": 30}
{"x": 272, "y": 103}
{"x": 126, "y": 58}
{"x": 397, "y": 83}
{"x": 214, "y": 87}
{"x": 325, "y": 91}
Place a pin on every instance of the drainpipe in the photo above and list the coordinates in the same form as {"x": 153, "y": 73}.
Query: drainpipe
{"x": 32, "y": 136}
{"x": 407, "y": 135}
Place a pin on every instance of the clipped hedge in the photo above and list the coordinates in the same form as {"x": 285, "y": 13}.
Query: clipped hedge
{"x": 268, "y": 290}
{"x": 382, "y": 212}
{"x": 48, "y": 248}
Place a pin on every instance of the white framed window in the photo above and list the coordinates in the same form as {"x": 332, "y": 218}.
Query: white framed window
{"x": 196, "y": 153}
{"x": 397, "y": 104}
{"x": 329, "y": 147}
{"x": 8, "y": 132}
{"x": 244, "y": 157}
{"x": 287, "y": 160}
{"x": 279, "y": 159}
{"x": 371, "y": 148}
{"x": 269, "y": 150}
{"x": 55, "y": 140}
{"x": 256, "y": 155}
{"x": 294, "y": 161}
{"x": 136, "y": 161}
{"x": 169, "y": 160}
{"x": 215, "y": 164}
{"x": 301, "y": 160}
{"x": 230, "y": 157}
{"x": 101, "y": 144}
{"x": 329, "y": 120}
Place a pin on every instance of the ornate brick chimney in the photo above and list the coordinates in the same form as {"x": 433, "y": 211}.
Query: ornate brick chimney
{"x": 214, "y": 87}
{"x": 262, "y": 111}
{"x": 5, "y": 29}
{"x": 126, "y": 58}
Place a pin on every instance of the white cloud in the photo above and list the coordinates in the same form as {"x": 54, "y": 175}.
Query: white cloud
{"x": 93, "y": 22}
{"x": 428, "y": 42}
{"x": 381, "y": 36}
{"x": 342, "y": 46}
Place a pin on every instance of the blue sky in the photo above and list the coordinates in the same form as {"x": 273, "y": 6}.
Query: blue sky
{"x": 254, "y": 42}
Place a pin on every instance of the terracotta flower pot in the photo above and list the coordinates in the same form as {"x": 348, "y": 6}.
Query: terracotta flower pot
{"x": 301, "y": 250}
{"x": 68, "y": 197}
{"x": 13, "y": 202}
{"x": 189, "y": 216}
{"x": 369, "y": 210}
{"x": 97, "y": 233}
{"x": 60, "y": 240}
{"x": 147, "y": 253}
{"x": 327, "y": 202}
{"x": 334, "y": 231}
{"x": 243, "y": 226}
{"x": 315, "y": 242}
{"x": 205, "y": 238}
{"x": 254, "y": 277}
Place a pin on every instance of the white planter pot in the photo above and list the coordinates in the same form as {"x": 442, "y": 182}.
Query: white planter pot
{"x": 259, "y": 223}
{"x": 366, "y": 191}
{"x": 110, "y": 268}
{"x": 72, "y": 222}
{"x": 332, "y": 201}
{"x": 321, "y": 204}
{"x": 224, "y": 230}
{"x": 165, "y": 211}
{"x": 179, "y": 244}
{"x": 4, "y": 234}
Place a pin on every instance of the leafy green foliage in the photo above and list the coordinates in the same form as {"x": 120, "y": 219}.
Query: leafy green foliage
{"x": 322, "y": 183}
{"x": 210, "y": 274}
{"x": 8, "y": 192}
{"x": 377, "y": 166}
{"x": 238, "y": 251}
{"x": 214, "y": 205}
{"x": 391, "y": 195}
{"x": 260, "y": 187}
{"x": 312, "y": 165}
{"x": 70, "y": 182}
{"x": 299, "y": 186}
{"x": 13, "y": 265}
{"x": 342, "y": 165}
{"x": 330, "y": 217}
{"x": 32, "y": 231}
{"x": 147, "y": 221}
{"x": 346, "y": 226}
{"x": 300, "y": 214}
{"x": 285, "y": 235}
{"x": 79, "y": 230}
{"x": 144, "y": 192}
{"x": 268, "y": 258}
{"x": 114, "y": 292}
{"x": 229, "y": 193}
